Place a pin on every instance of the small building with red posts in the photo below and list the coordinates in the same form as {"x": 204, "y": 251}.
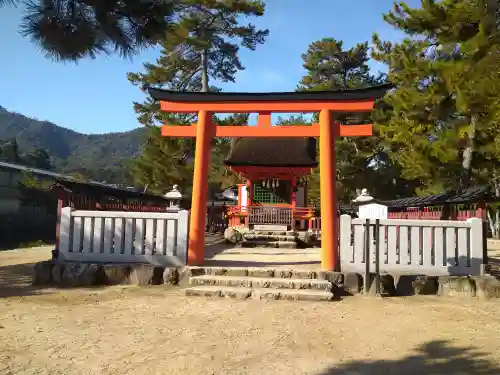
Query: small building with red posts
{"x": 463, "y": 205}
{"x": 275, "y": 191}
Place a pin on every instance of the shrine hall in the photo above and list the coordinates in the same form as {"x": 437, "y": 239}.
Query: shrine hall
{"x": 275, "y": 191}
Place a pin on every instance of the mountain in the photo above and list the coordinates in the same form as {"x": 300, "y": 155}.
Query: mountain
{"x": 102, "y": 157}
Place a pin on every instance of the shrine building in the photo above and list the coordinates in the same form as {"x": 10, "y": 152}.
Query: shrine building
{"x": 275, "y": 191}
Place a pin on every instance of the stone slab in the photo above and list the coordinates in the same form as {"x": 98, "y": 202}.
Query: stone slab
{"x": 487, "y": 287}
{"x": 217, "y": 291}
{"x": 116, "y": 274}
{"x": 457, "y": 286}
{"x": 256, "y": 282}
{"x": 270, "y": 228}
{"x": 292, "y": 294}
{"x": 146, "y": 275}
{"x": 82, "y": 274}
{"x": 353, "y": 282}
{"x": 259, "y": 294}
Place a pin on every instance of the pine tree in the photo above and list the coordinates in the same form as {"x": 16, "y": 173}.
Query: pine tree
{"x": 445, "y": 72}
{"x": 360, "y": 161}
{"x": 200, "y": 46}
{"x": 75, "y": 29}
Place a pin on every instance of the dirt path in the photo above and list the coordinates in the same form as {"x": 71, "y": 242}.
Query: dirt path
{"x": 131, "y": 330}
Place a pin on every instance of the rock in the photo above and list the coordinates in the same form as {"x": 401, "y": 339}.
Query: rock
{"x": 425, "y": 285}
{"x": 260, "y": 272}
{"x": 310, "y": 239}
{"x": 232, "y": 235}
{"x": 42, "y": 273}
{"x": 487, "y": 287}
{"x": 457, "y": 286}
{"x": 116, "y": 274}
{"x": 303, "y": 274}
{"x": 353, "y": 282}
{"x": 146, "y": 275}
{"x": 82, "y": 274}
{"x": 215, "y": 271}
{"x": 387, "y": 286}
{"x": 171, "y": 276}
{"x": 185, "y": 273}
{"x": 336, "y": 278}
{"x": 236, "y": 271}
{"x": 283, "y": 274}
{"x": 57, "y": 272}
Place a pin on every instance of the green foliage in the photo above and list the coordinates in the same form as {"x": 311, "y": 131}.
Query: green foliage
{"x": 101, "y": 157}
{"x": 361, "y": 162}
{"x": 75, "y": 29}
{"x": 9, "y": 151}
{"x": 332, "y": 67}
{"x": 201, "y": 45}
{"x": 440, "y": 118}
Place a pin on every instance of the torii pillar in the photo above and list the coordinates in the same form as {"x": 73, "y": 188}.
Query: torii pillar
{"x": 324, "y": 102}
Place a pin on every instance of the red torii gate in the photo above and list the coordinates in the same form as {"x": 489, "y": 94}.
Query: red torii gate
{"x": 324, "y": 102}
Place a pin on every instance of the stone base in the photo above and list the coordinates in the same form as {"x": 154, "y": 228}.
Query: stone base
{"x": 85, "y": 274}
{"x": 457, "y": 286}
{"x": 337, "y": 284}
{"x": 261, "y": 294}
{"x": 487, "y": 287}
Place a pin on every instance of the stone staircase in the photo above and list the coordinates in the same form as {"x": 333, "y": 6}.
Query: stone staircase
{"x": 270, "y": 238}
{"x": 261, "y": 284}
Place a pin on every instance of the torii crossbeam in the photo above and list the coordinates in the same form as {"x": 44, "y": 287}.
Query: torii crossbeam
{"x": 324, "y": 102}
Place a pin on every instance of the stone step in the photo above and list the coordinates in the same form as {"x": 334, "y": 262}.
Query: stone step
{"x": 269, "y": 227}
{"x": 261, "y": 294}
{"x": 272, "y": 233}
{"x": 273, "y": 244}
{"x": 261, "y": 282}
{"x": 267, "y": 272}
{"x": 269, "y": 237}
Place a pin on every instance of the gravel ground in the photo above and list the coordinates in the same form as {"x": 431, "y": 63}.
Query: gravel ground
{"x": 132, "y": 330}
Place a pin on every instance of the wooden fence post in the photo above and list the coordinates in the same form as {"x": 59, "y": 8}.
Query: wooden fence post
{"x": 345, "y": 250}
{"x": 183, "y": 235}
{"x": 65, "y": 229}
{"x": 477, "y": 244}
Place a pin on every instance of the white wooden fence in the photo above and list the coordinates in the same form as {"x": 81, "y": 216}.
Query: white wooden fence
{"x": 124, "y": 237}
{"x": 418, "y": 247}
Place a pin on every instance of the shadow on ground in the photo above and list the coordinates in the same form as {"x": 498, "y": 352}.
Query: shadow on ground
{"x": 15, "y": 281}
{"x": 436, "y": 358}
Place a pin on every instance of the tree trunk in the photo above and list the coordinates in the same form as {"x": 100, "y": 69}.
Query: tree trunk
{"x": 204, "y": 70}
{"x": 468, "y": 153}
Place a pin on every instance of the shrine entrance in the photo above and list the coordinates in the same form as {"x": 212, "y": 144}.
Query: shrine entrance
{"x": 264, "y": 104}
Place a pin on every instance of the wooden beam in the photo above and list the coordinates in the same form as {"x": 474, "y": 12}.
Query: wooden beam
{"x": 364, "y": 105}
{"x": 273, "y": 131}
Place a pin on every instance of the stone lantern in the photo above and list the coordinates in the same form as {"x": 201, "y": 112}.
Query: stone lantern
{"x": 369, "y": 207}
{"x": 174, "y": 197}
{"x": 363, "y": 197}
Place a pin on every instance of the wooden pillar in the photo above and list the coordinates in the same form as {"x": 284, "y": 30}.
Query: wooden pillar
{"x": 61, "y": 202}
{"x": 293, "y": 184}
{"x": 249, "y": 192}
{"x": 204, "y": 133}
{"x": 329, "y": 251}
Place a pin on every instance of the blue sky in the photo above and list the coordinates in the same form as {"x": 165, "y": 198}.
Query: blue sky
{"x": 94, "y": 96}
